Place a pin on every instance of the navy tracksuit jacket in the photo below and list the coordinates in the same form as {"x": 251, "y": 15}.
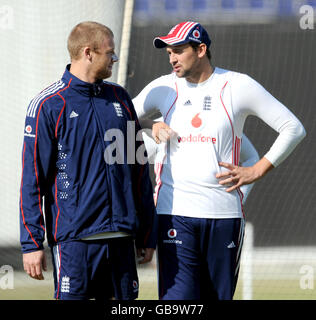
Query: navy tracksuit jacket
{"x": 64, "y": 164}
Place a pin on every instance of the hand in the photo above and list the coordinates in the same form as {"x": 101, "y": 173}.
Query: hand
{"x": 34, "y": 262}
{"x": 145, "y": 255}
{"x": 239, "y": 176}
{"x": 161, "y": 132}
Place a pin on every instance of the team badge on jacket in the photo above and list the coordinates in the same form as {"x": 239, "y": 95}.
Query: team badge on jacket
{"x": 118, "y": 109}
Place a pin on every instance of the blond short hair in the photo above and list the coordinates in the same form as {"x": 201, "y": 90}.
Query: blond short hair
{"x": 86, "y": 34}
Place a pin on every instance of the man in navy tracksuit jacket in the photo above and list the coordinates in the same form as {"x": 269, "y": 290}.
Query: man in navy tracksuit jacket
{"x": 91, "y": 209}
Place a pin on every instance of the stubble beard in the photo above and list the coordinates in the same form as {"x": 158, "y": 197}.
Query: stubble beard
{"x": 183, "y": 73}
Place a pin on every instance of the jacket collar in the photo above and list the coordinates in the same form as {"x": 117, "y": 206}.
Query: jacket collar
{"x": 85, "y": 88}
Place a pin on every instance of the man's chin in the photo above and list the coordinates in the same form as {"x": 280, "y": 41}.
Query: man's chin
{"x": 179, "y": 74}
{"x": 105, "y": 75}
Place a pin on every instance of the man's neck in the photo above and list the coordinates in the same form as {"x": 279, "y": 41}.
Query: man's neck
{"x": 82, "y": 73}
{"x": 201, "y": 75}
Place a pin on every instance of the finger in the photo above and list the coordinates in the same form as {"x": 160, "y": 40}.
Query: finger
{"x": 25, "y": 266}
{"x": 227, "y": 181}
{"x": 27, "y": 269}
{"x": 232, "y": 188}
{"x": 38, "y": 270}
{"x": 226, "y": 165}
{"x": 164, "y": 135}
{"x": 154, "y": 134}
{"x": 33, "y": 272}
{"x": 223, "y": 174}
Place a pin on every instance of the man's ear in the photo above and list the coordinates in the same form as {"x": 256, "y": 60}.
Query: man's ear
{"x": 202, "y": 50}
{"x": 87, "y": 52}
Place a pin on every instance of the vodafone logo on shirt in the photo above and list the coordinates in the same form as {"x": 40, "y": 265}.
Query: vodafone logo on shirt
{"x": 172, "y": 233}
{"x": 197, "y": 123}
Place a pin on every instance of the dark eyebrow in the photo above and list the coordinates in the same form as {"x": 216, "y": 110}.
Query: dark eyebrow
{"x": 177, "y": 50}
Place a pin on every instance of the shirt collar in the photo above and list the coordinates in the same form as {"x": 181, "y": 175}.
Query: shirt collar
{"x": 85, "y": 88}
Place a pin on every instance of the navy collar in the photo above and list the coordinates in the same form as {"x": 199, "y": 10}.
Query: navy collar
{"x": 85, "y": 88}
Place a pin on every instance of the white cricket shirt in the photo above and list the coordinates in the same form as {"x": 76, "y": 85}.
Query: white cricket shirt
{"x": 208, "y": 118}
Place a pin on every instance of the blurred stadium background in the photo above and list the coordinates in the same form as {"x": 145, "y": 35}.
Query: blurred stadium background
{"x": 274, "y": 41}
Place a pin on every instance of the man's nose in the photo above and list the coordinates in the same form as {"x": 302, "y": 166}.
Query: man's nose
{"x": 172, "y": 58}
{"x": 114, "y": 57}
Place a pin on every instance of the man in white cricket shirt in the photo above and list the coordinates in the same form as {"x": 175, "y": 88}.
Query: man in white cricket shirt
{"x": 200, "y": 180}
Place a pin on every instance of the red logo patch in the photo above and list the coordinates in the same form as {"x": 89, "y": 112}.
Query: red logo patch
{"x": 135, "y": 284}
{"x": 28, "y": 129}
{"x": 196, "y": 34}
{"x": 196, "y": 121}
{"x": 172, "y": 233}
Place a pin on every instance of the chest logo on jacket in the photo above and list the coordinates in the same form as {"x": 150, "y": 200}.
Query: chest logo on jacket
{"x": 118, "y": 109}
{"x": 28, "y": 131}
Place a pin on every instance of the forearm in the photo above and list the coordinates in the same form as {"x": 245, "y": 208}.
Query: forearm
{"x": 261, "y": 168}
{"x": 286, "y": 142}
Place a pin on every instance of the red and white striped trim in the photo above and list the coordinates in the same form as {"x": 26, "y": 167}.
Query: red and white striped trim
{"x": 158, "y": 170}
{"x": 57, "y": 260}
{"x": 159, "y": 165}
{"x": 236, "y": 145}
{"x": 36, "y": 102}
{"x": 178, "y": 33}
{"x": 237, "y": 151}
{"x": 21, "y": 201}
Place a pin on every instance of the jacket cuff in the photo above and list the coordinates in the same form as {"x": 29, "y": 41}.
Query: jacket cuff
{"x": 26, "y": 248}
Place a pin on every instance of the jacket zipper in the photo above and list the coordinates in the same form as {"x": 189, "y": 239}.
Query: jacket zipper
{"x": 103, "y": 144}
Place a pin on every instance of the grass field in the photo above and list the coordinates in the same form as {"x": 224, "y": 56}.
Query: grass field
{"x": 276, "y": 274}
{"x": 262, "y": 290}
